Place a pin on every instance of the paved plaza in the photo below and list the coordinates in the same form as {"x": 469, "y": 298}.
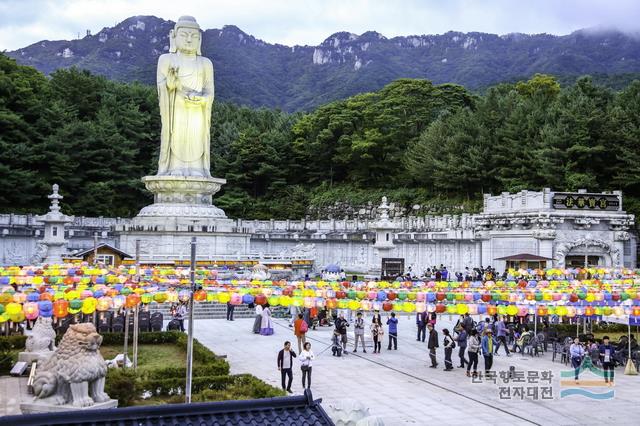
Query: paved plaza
{"x": 399, "y": 386}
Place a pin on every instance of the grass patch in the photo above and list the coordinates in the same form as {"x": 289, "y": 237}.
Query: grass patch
{"x": 151, "y": 357}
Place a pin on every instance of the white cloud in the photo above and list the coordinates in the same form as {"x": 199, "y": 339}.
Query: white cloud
{"x": 290, "y": 22}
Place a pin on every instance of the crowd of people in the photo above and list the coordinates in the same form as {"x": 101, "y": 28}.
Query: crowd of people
{"x": 489, "y": 273}
{"x": 474, "y": 341}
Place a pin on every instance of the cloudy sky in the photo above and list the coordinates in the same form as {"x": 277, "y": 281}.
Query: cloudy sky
{"x": 291, "y": 22}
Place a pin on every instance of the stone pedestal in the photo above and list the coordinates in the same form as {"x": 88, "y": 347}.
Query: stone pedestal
{"x": 30, "y": 357}
{"x": 39, "y": 407}
{"x": 182, "y": 209}
{"x": 181, "y": 196}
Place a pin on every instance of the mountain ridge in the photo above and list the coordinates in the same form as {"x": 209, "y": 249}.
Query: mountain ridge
{"x": 250, "y": 71}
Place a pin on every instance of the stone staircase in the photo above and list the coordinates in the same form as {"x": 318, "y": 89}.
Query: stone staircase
{"x": 214, "y": 310}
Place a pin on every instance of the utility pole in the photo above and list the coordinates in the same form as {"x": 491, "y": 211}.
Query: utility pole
{"x": 190, "y": 330}
{"x": 95, "y": 248}
{"x": 136, "y": 311}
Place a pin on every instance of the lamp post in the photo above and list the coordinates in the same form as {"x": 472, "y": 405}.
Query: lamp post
{"x": 136, "y": 311}
{"x": 190, "y": 329}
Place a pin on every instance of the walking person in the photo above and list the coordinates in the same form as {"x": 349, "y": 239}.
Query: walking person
{"x": 300, "y": 328}
{"x": 501, "y": 331}
{"x": 487, "y": 350}
{"x": 377, "y": 332}
{"x": 306, "y": 356}
{"x": 467, "y": 323}
{"x": 421, "y": 323}
{"x": 607, "y": 352}
{"x": 230, "y": 309}
{"x": 473, "y": 347}
{"x": 449, "y": 345}
{"x": 576, "y": 352}
{"x": 258, "y": 321}
{"x": 341, "y": 327}
{"x": 432, "y": 344}
{"x": 393, "y": 331}
{"x": 358, "y": 328}
{"x": 266, "y": 327}
{"x": 462, "y": 346}
{"x": 179, "y": 313}
{"x": 285, "y": 365}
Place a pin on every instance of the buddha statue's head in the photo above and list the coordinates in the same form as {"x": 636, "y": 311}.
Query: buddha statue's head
{"x": 186, "y": 36}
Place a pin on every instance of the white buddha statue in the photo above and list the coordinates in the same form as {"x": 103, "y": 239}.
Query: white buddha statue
{"x": 185, "y": 92}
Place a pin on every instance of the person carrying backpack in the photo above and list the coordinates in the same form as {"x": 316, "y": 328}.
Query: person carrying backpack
{"x": 300, "y": 328}
{"x": 449, "y": 346}
{"x": 341, "y": 327}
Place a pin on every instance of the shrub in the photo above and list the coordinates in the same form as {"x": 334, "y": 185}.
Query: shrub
{"x": 122, "y": 384}
{"x": 243, "y": 386}
{"x": 16, "y": 342}
{"x": 9, "y": 348}
{"x": 215, "y": 367}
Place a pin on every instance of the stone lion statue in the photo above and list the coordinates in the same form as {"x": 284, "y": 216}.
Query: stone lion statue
{"x": 43, "y": 337}
{"x": 76, "y": 371}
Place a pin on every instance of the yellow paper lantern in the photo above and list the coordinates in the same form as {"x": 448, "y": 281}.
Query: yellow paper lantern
{"x": 462, "y": 308}
{"x": 224, "y": 297}
{"x": 13, "y": 308}
{"x": 409, "y": 307}
{"x": 89, "y": 305}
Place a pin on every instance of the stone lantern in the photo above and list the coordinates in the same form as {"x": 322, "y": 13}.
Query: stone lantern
{"x": 53, "y": 245}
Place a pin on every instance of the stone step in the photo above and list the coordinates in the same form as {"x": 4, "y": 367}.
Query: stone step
{"x": 213, "y": 310}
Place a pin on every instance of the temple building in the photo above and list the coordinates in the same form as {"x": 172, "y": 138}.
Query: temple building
{"x": 523, "y": 230}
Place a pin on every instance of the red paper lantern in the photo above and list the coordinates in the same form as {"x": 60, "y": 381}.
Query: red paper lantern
{"x": 261, "y": 299}
{"x": 486, "y": 297}
{"x": 573, "y": 297}
{"x": 440, "y": 296}
{"x": 341, "y": 294}
{"x": 60, "y": 308}
{"x": 387, "y": 306}
{"x": 132, "y": 300}
{"x": 440, "y": 308}
{"x": 200, "y": 296}
{"x": 391, "y": 295}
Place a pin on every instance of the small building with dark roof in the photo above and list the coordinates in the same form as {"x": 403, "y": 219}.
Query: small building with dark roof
{"x": 106, "y": 254}
{"x": 525, "y": 261}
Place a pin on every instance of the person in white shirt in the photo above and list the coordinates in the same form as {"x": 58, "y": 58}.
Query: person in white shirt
{"x": 306, "y": 356}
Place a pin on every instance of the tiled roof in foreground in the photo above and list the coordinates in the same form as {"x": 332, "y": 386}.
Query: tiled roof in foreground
{"x": 299, "y": 410}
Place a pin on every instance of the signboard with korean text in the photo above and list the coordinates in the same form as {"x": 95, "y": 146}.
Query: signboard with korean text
{"x": 577, "y": 201}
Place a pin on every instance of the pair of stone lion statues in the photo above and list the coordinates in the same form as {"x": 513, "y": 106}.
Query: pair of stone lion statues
{"x": 74, "y": 374}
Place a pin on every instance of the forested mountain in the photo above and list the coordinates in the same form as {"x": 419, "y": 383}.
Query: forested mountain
{"x": 254, "y": 73}
{"x": 418, "y": 143}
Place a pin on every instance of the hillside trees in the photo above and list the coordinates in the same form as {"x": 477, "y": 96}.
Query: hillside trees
{"x": 436, "y": 145}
